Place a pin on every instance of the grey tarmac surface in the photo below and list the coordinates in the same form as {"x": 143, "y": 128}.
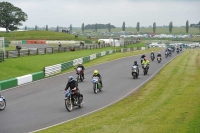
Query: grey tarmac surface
{"x": 41, "y": 104}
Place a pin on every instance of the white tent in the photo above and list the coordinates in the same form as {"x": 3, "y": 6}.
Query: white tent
{"x": 2, "y": 29}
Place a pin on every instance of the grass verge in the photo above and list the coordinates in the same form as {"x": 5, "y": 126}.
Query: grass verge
{"x": 169, "y": 103}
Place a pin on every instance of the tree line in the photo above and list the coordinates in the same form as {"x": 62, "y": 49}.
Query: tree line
{"x": 11, "y": 17}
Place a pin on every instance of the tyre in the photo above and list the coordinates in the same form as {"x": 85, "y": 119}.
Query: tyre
{"x": 68, "y": 104}
{"x": 134, "y": 75}
{"x": 95, "y": 88}
{"x": 81, "y": 78}
{"x": 2, "y": 104}
{"x": 78, "y": 79}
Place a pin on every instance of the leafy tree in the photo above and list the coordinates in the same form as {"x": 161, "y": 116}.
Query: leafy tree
{"x": 187, "y": 26}
{"x": 138, "y": 26}
{"x": 25, "y": 28}
{"x": 123, "y": 26}
{"x": 96, "y": 27}
{"x": 70, "y": 28}
{"x": 11, "y": 16}
{"x": 47, "y": 28}
{"x": 100, "y": 26}
{"x": 154, "y": 27}
{"x": 36, "y": 27}
{"x": 170, "y": 27}
{"x": 82, "y": 27}
{"x": 109, "y": 28}
{"x": 57, "y": 29}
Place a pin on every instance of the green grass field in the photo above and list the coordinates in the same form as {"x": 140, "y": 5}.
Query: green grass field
{"x": 40, "y": 35}
{"x": 169, "y": 103}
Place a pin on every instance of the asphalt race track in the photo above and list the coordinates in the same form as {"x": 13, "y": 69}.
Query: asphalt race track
{"x": 41, "y": 104}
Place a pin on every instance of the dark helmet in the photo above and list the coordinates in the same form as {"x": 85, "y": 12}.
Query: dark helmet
{"x": 135, "y": 62}
{"x": 70, "y": 78}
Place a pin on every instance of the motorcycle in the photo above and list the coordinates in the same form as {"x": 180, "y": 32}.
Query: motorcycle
{"x": 96, "y": 84}
{"x": 166, "y": 54}
{"x": 170, "y": 54}
{"x": 159, "y": 59}
{"x": 79, "y": 74}
{"x": 2, "y": 103}
{"x": 71, "y": 100}
{"x": 177, "y": 51}
{"x": 135, "y": 73}
{"x": 152, "y": 57}
{"x": 145, "y": 69}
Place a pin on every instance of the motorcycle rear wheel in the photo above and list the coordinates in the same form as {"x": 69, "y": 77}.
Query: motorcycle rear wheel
{"x": 68, "y": 104}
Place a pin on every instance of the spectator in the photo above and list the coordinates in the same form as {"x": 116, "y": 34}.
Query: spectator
{"x": 59, "y": 44}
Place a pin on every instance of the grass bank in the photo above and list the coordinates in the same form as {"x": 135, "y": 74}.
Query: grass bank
{"x": 40, "y": 35}
{"x": 169, "y": 103}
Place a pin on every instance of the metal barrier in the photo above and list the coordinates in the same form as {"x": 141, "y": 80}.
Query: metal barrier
{"x": 49, "y": 50}
{"x": 1, "y": 56}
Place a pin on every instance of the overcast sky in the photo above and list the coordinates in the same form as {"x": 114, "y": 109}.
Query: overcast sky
{"x": 65, "y": 12}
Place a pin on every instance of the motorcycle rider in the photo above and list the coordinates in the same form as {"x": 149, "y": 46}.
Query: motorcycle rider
{"x": 135, "y": 64}
{"x": 73, "y": 85}
{"x": 142, "y": 58}
{"x": 96, "y": 74}
{"x": 146, "y": 62}
{"x": 152, "y": 54}
{"x": 159, "y": 55}
{"x": 83, "y": 68}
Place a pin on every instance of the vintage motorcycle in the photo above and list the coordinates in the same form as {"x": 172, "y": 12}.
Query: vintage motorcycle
{"x": 145, "y": 69}
{"x": 2, "y": 103}
{"x": 152, "y": 57}
{"x": 135, "y": 73}
{"x": 72, "y": 100}
{"x": 159, "y": 59}
{"x": 96, "y": 84}
{"x": 166, "y": 54}
{"x": 79, "y": 73}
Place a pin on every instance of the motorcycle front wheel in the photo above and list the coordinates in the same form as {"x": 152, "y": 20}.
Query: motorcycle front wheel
{"x": 3, "y": 105}
{"x": 134, "y": 75}
{"x": 68, "y": 104}
{"x": 95, "y": 88}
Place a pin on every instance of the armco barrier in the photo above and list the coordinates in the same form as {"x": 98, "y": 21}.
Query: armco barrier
{"x": 93, "y": 56}
{"x": 77, "y": 61}
{"x": 86, "y": 59}
{"x": 51, "y": 70}
{"x": 66, "y": 65}
{"x": 103, "y": 53}
{"x": 98, "y": 55}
